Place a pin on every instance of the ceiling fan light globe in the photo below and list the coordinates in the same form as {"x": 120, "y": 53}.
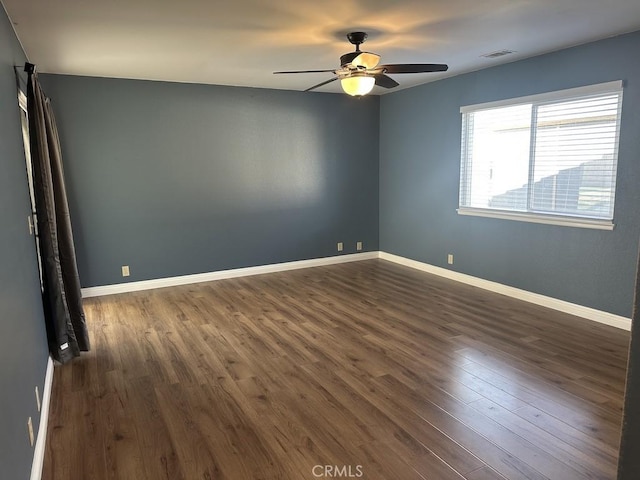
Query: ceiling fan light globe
{"x": 357, "y": 86}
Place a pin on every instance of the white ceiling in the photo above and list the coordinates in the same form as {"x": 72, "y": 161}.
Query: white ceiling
{"x": 242, "y": 42}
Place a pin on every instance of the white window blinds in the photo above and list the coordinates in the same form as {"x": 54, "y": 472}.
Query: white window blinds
{"x": 553, "y": 154}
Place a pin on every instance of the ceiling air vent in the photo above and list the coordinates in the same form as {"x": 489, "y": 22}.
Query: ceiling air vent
{"x": 499, "y": 53}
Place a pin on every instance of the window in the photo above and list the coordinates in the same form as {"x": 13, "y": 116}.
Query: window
{"x": 547, "y": 158}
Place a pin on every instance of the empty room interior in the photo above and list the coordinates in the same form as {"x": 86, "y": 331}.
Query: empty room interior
{"x": 341, "y": 239}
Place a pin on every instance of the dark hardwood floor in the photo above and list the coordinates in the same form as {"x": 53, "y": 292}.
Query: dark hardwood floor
{"x": 371, "y": 369}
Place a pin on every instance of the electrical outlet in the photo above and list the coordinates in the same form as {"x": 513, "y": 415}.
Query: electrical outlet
{"x": 450, "y": 259}
{"x": 30, "y": 428}
{"x": 125, "y": 271}
{"x": 38, "y": 398}
{"x": 340, "y": 246}
{"x": 359, "y": 246}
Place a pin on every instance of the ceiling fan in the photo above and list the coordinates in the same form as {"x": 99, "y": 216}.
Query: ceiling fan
{"x": 359, "y": 71}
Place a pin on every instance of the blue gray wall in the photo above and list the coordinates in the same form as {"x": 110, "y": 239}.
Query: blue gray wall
{"x": 420, "y": 131}
{"x": 174, "y": 179}
{"x": 24, "y": 351}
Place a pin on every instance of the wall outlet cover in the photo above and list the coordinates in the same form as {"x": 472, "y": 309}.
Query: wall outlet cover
{"x": 30, "y": 428}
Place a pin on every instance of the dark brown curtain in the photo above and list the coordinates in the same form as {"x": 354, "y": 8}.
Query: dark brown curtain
{"x": 629, "y": 459}
{"x": 62, "y": 300}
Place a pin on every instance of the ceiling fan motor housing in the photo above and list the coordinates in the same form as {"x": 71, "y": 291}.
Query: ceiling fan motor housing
{"x": 357, "y": 38}
{"x": 347, "y": 58}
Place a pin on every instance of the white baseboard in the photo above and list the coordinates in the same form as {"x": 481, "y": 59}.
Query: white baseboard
{"x": 41, "y": 441}
{"x": 223, "y": 274}
{"x": 543, "y": 300}
{"x": 549, "y": 302}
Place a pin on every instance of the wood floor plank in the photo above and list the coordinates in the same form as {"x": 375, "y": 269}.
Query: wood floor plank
{"x": 546, "y": 371}
{"x": 569, "y": 433}
{"x": 161, "y": 461}
{"x": 359, "y": 367}
{"x": 581, "y": 414}
{"x": 396, "y": 439}
{"x": 196, "y": 459}
{"x": 584, "y": 464}
{"x": 484, "y": 473}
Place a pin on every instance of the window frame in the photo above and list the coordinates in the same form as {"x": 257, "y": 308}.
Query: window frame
{"x": 539, "y": 99}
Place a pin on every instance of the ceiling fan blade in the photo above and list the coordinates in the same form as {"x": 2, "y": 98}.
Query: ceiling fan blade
{"x": 306, "y": 71}
{"x": 386, "y": 82}
{"x": 414, "y": 67}
{"x": 321, "y": 84}
{"x": 366, "y": 60}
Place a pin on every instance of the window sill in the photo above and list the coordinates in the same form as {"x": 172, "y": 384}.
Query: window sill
{"x": 539, "y": 218}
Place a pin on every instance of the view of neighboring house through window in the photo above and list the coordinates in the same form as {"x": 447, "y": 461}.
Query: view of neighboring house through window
{"x": 550, "y": 156}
